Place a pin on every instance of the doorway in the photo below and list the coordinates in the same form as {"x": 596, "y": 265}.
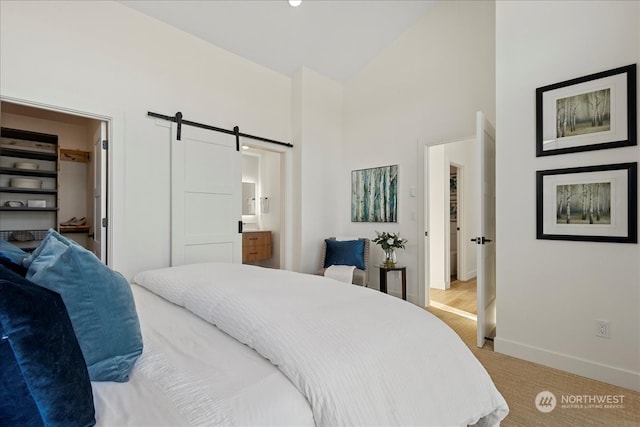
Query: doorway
{"x": 78, "y": 188}
{"x": 480, "y": 234}
{"x": 262, "y": 205}
{"x": 455, "y": 172}
{"x": 451, "y": 202}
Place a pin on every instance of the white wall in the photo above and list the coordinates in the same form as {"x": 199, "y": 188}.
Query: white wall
{"x": 423, "y": 89}
{"x": 271, "y": 188}
{"x": 551, "y": 292}
{"x": 104, "y": 58}
{"x": 317, "y": 125}
{"x": 438, "y": 199}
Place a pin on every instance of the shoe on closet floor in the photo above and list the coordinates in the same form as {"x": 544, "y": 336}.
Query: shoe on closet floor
{"x": 74, "y": 222}
{"x": 69, "y": 222}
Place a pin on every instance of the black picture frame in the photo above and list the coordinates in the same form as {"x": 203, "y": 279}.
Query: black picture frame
{"x": 618, "y": 182}
{"x": 606, "y": 103}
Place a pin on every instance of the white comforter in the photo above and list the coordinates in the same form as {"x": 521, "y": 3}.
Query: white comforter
{"x": 359, "y": 357}
{"x": 193, "y": 374}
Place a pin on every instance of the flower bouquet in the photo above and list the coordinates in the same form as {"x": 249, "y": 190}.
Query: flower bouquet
{"x": 389, "y": 243}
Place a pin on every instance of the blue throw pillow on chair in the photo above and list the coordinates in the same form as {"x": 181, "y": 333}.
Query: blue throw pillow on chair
{"x": 44, "y": 379}
{"x": 345, "y": 252}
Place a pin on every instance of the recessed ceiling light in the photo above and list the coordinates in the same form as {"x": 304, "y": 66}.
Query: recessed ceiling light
{"x": 295, "y": 3}
{"x": 245, "y": 147}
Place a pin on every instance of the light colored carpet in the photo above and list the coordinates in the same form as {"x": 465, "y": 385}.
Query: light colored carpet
{"x": 520, "y": 382}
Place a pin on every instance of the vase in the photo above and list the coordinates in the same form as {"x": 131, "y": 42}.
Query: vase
{"x": 390, "y": 257}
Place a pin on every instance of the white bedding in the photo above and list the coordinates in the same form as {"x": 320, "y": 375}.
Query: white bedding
{"x": 191, "y": 373}
{"x": 358, "y": 356}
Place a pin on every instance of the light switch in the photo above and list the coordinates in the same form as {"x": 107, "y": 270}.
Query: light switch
{"x": 412, "y": 191}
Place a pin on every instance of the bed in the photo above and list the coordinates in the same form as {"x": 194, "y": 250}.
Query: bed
{"x": 222, "y": 344}
{"x": 193, "y": 374}
{"x": 291, "y": 349}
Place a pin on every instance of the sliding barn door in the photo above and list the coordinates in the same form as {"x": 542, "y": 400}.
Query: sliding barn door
{"x": 206, "y": 194}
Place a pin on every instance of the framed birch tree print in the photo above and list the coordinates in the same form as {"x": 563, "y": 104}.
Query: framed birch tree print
{"x": 374, "y": 194}
{"x": 592, "y": 203}
{"x": 593, "y": 112}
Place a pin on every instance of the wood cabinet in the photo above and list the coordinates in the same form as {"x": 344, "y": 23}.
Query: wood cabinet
{"x": 256, "y": 245}
{"x": 28, "y": 186}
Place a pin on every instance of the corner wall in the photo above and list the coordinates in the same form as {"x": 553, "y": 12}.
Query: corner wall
{"x": 550, "y": 293}
{"x": 317, "y": 124}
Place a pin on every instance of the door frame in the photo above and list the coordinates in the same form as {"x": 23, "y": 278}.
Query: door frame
{"x": 423, "y": 217}
{"x": 423, "y": 220}
{"x": 115, "y": 161}
{"x": 286, "y": 204}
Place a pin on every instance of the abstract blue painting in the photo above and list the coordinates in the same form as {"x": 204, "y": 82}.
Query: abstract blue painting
{"x": 374, "y": 194}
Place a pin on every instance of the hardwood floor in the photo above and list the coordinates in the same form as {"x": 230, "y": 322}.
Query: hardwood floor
{"x": 461, "y": 296}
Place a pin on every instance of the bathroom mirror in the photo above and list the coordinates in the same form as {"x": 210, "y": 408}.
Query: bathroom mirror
{"x": 248, "y": 198}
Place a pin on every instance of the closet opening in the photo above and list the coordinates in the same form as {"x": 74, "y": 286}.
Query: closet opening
{"x": 53, "y": 174}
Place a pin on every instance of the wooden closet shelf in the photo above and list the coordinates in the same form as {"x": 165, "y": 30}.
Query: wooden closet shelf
{"x": 75, "y": 155}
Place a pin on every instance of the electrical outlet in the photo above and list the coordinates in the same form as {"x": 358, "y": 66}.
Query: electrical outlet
{"x": 603, "y": 328}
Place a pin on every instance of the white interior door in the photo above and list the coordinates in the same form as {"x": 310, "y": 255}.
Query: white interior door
{"x": 485, "y": 240}
{"x": 100, "y": 146}
{"x": 206, "y": 197}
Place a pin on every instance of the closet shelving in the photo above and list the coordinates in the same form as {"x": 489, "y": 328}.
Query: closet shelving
{"x": 20, "y": 146}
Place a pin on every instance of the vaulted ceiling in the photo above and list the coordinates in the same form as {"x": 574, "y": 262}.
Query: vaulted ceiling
{"x": 333, "y": 37}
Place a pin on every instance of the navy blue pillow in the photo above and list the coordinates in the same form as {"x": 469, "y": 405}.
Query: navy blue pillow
{"x": 44, "y": 378}
{"x": 16, "y": 268}
{"x": 345, "y": 252}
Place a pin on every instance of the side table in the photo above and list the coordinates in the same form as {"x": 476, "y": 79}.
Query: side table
{"x": 383, "y": 278}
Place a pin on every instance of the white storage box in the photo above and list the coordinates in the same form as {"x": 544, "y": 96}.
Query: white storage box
{"x": 26, "y": 165}
{"x": 36, "y": 204}
{"x": 25, "y": 183}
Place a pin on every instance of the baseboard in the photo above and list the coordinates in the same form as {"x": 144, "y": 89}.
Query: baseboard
{"x": 585, "y": 368}
{"x": 468, "y": 275}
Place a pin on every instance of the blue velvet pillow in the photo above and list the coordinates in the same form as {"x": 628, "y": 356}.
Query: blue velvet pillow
{"x": 11, "y": 265}
{"x": 12, "y": 252}
{"x": 51, "y": 238}
{"x": 345, "y": 252}
{"x": 44, "y": 379}
{"x": 100, "y": 305}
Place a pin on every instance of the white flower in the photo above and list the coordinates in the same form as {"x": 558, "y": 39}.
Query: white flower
{"x": 390, "y": 241}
